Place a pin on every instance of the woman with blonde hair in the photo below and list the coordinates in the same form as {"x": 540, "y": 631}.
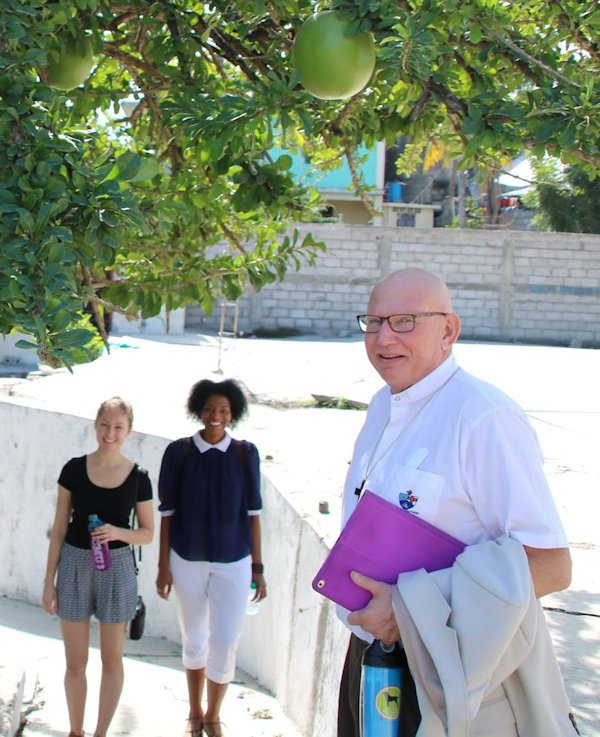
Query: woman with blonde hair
{"x": 107, "y": 484}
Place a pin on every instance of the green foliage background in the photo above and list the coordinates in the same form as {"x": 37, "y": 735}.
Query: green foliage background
{"x": 99, "y": 209}
{"x": 567, "y": 201}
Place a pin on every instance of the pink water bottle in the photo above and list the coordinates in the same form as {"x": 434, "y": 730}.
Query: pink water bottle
{"x": 101, "y": 557}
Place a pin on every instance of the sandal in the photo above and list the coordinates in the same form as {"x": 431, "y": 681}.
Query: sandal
{"x": 193, "y": 727}
{"x": 213, "y": 729}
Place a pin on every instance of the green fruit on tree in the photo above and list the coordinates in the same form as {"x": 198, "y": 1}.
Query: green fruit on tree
{"x": 332, "y": 64}
{"x": 70, "y": 63}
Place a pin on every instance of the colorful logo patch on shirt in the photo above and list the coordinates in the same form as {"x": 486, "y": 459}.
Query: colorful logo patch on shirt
{"x": 407, "y": 499}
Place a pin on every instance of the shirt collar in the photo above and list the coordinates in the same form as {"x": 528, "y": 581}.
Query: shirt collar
{"x": 430, "y": 383}
{"x": 203, "y": 446}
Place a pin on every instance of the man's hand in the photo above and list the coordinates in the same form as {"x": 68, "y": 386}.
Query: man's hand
{"x": 377, "y": 617}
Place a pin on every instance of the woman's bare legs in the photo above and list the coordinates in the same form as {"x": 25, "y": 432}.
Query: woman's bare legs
{"x": 215, "y": 693}
{"x": 76, "y": 637}
{"x": 112, "y": 637}
{"x": 195, "y": 683}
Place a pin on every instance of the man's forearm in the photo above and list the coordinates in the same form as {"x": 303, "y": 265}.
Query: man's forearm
{"x": 550, "y": 569}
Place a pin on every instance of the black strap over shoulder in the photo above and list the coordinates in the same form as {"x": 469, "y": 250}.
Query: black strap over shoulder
{"x": 187, "y": 444}
{"x": 138, "y": 470}
{"x": 242, "y": 453}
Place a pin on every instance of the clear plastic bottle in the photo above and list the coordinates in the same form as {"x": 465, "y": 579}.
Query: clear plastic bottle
{"x": 101, "y": 556}
{"x": 252, "y": 607}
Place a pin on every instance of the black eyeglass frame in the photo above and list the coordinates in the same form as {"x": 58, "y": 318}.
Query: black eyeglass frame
{"x": 414, "y": 316}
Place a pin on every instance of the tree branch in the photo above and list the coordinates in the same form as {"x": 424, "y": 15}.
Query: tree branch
{"x": 180, "y": 49}
{"x": 98, "y": 321}
{"x": 420, "y": 103}
{"x": 531, "y": 59}
{"x": 110, "y": 306}
{"x": 130, "y": 62}
{"x": 451, "y": 101}
{"x": 590, "y": 45}
{"x": 231, "y": 49}
{"x": 349, "y": 152}
{"x": 232, "y": 238}
{"x": 344, "y": 113}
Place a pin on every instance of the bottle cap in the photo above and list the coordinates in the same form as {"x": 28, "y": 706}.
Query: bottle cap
{"x": 378, "y": 657}
{"x": 252, "y": 606}
{"x": 94, "y": 521}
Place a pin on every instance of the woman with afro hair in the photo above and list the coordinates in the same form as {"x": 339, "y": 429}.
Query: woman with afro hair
{"x": 210, "y": 544}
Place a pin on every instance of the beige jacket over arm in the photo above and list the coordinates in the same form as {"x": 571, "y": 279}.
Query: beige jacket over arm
{"x": 479, "y": 649}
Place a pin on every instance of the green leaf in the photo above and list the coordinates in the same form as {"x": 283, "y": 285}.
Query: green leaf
{"x": 148, "y": 170}
{"x": 61, "y": 321}
{"x": 475, "y": 34}
{"x": 25, "y": 344}
{"x": 70, "y": 338}
{"x": 127, "y": 166}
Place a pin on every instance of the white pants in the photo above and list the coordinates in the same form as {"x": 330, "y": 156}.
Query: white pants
{"x": 211, "y": 603}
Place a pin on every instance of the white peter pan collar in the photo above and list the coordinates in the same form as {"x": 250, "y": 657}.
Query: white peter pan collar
{"x": 203, "y": 446}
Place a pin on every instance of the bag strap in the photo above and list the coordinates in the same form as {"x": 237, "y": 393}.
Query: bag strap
{"x": 187, "y": 444}
{"x": 241, "y": 451}
{"x": 134, "y": 519}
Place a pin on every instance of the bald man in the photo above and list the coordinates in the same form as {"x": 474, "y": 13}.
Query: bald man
{"x": 463, "y": 449}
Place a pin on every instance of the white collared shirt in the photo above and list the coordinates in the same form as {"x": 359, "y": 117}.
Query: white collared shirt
{"x": 462, "y": 455}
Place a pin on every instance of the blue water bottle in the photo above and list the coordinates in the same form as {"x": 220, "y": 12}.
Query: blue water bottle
{"x": 381, "y": 690}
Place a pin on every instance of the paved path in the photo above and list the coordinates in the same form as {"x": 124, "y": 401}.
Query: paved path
{"x": 154, "y": 699}
{"x": 305, "y": 451}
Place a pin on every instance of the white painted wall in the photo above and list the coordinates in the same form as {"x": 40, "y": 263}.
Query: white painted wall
{"x": 162, "y": 324}
{"x": 11, "y": 355}
{"x": 294, "y": 646}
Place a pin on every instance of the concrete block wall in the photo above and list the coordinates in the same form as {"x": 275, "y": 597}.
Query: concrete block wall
{"x": 507, "y": 285}
{"x": 294, "y": 646}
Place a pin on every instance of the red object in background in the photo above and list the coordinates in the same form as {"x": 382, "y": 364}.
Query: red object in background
{"x": 509, "y": 203}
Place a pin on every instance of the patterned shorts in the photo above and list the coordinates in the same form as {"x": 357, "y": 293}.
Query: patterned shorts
{"x": 82, "y": 590}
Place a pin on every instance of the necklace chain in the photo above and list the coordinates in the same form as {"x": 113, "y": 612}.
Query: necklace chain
{"x": 372, "y": 464}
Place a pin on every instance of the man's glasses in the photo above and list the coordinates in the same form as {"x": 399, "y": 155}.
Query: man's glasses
{"x": 398, "y": 323}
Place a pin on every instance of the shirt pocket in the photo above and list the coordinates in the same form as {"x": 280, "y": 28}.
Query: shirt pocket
{"x": 417, "y": 491}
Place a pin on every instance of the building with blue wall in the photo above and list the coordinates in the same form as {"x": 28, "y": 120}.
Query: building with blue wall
{"x": 336, "y": 185}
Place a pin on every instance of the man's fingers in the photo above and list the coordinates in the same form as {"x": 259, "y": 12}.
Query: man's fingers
{"x": 370, "y": 584}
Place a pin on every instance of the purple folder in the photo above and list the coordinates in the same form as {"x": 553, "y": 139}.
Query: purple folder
{"x": 381, "y": 540}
